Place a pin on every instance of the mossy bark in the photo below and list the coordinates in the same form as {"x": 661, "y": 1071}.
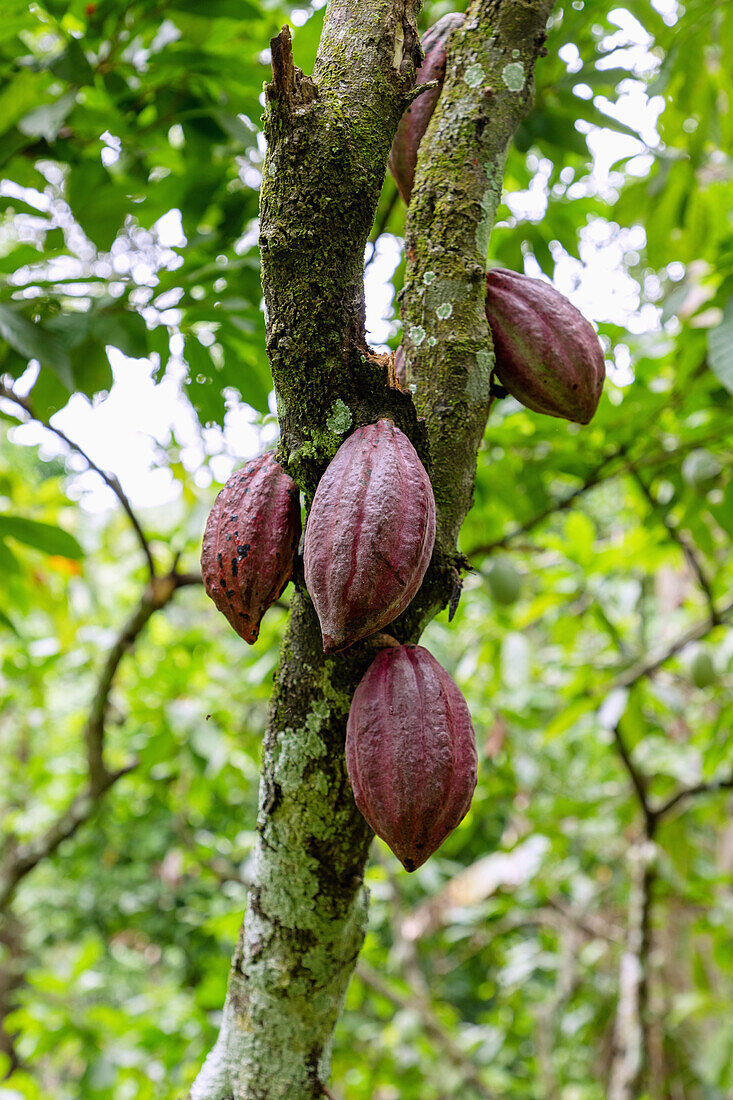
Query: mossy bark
{"x": 328, "y": 141}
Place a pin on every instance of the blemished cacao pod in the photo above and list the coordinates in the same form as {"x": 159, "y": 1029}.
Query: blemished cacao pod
{"x": 410, "y": 752}
{"x": 548, "y": 355}
{"x": 250, "y": 541}
{"x": 415, "y": 120}
{"x": 369, "y": 536}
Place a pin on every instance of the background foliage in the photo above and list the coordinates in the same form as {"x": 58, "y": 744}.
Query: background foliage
{"x": 498, "y": 967}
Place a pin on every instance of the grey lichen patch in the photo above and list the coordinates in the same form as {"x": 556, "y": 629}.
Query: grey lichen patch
{"x": 474, "y": 75}
{"x": 340, "y": 419}
{"x": 513, "y": 76}
{"x": 417, "y": 334}
{"x": 479, "y": 380}
{"x": 432, "y": 341}
{"x": 428, "y": 277}
{"x": 444, "y": 311}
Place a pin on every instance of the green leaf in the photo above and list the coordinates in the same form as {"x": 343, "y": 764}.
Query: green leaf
{"x": 720, "y": 348}
{"x": 219, "y": 9}
{"x": 18, "y": 97}
{"x": 41, "y": 536}
{"x": 46, "y": 121}
{"x": 35, "y": 342}
{"x": 8, "y": 623}
{"x": 97, "y": 202}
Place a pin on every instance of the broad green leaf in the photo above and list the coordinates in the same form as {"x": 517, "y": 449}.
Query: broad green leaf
{"x": 720, "y": 348}
{"x": 41, "y": 536}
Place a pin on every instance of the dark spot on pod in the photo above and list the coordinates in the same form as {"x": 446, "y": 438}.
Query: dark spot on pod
{"x": 230, "y": 593}
{"x": 219, "y": 559}
{"x": 234, "y": 567}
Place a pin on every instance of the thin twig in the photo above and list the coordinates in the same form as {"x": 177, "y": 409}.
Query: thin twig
{"x": 710, "y": 787}
{"x": 595, "y": 477}
{"x": 687, "y": 548}
{"x": 27, "y": 856}
{"x": 629, "y": 1053}
{"x": 650, "y": 666}
{"x": 109, "y": 479}
{"x": 592, "y": 479}
{"x": 432, "y": 1025}
{"x": 21, "y": 859}
{"x": 638, "y": 781}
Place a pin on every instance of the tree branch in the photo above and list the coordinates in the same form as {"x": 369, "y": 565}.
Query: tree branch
{"x": 109, "y": 479}
{"x": 629, "y": 1051}
{"x": 687, "y": 548}
{"x": 639, "y": 783}
{"x": 431, "y": 1023}
{"x": 649, "y": 667}
{"x": 21, "y": 859}
{"x": 25, "y": 857}
{"x": 709, "y": 787}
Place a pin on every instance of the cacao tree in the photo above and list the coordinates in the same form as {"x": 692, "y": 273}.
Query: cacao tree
{"x": 118, "y": 114}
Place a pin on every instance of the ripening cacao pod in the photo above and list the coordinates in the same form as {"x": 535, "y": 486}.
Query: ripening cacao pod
{"x": 702, "y": 669}
{"x": 410, "y": 752}
{"x": 415, "y": 120}
{"x": 249, "y": 543}
{"x": 369, "y": 536}
{"x": 505, "y": 582}
{"x": 547, "y": 355}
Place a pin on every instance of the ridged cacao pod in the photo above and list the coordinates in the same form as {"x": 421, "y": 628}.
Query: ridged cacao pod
{"x": 547, "y": 355}
{"x": 415, "y": 120}
{"x": 410, "y": 752}
{"x": 249, "y": 543}
{"x": 369, "y": 536}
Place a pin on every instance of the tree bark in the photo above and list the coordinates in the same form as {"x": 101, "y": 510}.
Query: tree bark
{"x": 328, "y": 141}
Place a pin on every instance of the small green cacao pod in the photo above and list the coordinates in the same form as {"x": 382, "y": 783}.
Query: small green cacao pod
{"x": 547, "y": 354}
{"x": 410, "y": 752}
{"x": 250, "y": 541}
{"x": 702, "y": 669}
{"x": 505, "y": 583}
{"x": 415, "y": 120}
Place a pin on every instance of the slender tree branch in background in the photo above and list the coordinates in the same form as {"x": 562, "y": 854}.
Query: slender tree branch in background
{"x": 649, "y": 667}
{"x": 20, "y": 859}
{"x": 687, "y": 548}
{"x": 596, "y": 476}
{"x": 638, "y": 781}
{"x": 593, "y": 478}
{"x": 629, "y": 1053}
{"x": 711, "y": 787}
{"x": 432, "y": 1025}
{"x": 109, "y": 479}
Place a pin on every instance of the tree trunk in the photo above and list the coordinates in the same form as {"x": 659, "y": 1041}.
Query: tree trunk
{"x": 328, "y": 141}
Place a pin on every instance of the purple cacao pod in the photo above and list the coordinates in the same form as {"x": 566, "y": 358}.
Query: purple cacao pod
{"x": 369, "y": 536}
{"x": 415, "y": 120}
{"x": 410, "y": 752}
{"x": 547, "y": 355}
{"x": 249, "y": 543}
